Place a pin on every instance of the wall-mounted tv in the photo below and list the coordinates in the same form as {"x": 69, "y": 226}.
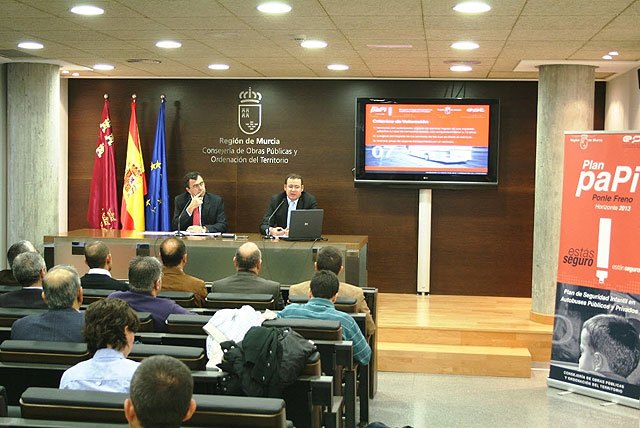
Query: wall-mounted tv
{"x": 427, "y": 143}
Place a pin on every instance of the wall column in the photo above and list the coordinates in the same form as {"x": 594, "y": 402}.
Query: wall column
{"x": 33, "y": 151}
{"x": 565, "y": 103}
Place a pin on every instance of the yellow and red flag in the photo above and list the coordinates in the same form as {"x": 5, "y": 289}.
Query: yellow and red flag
{"x": 135, "y": 183}
{"x": 103, "y": 197}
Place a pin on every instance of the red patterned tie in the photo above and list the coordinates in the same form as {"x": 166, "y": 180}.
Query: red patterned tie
{"x": 196, "y": 217}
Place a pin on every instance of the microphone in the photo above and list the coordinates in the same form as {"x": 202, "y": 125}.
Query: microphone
{"x": 273, "y": 213}
{"x": 179, "y": 232}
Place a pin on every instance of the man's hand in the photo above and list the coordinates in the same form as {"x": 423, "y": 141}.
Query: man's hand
{"x": 196, "y": 201}
{"x": 278, "y": 231}
{"x": 196, "y": 229}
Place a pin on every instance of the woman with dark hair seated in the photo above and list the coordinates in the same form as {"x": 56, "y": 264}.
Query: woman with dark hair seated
{"x": 110, "y": 327}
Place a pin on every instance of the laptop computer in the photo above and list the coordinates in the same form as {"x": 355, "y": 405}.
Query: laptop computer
{"x": 305, "y": 225}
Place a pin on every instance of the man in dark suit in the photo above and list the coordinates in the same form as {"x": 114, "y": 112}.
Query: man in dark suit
{"x": 276, "y": 219}
{"x": 98, "y": 258}
{"x": 196, "y": 210}
{"x": 29, "y": 269}
{"x": 6, "y": 275}
{"x": 63, "y": 321}
{"x": 248, "y": 262}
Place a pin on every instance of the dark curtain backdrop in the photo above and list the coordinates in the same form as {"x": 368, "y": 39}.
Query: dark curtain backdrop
{"x": 481, "y": 239}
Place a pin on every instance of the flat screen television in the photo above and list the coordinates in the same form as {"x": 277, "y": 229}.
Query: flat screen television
{"x": 427, "y": 143}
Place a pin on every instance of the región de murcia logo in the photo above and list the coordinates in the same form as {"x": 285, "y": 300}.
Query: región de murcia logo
{"x": 249, "y": 111}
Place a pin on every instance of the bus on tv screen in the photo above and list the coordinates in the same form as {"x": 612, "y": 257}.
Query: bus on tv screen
{"x": 428, "y": 143}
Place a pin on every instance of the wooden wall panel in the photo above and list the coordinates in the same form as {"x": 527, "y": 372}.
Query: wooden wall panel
{"x": 481, "y": 239}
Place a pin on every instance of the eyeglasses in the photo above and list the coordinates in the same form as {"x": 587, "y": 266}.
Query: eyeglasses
{"x": 293, "y": 187}
{"x": 200, "y": 184}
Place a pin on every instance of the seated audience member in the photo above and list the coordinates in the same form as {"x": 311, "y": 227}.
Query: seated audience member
{"x": 109, "y": 329}
{"x": 161, "y": 394}
{"x": 324, "y": 287}
{"x": 63, "y": 321}
{"x": 29, "y": 269}
{"x": 6, "y": 275}
{"x": 173, "y": 253}
{"x": 276, "y": 218}
{"x": 609, "y": 347}
{"x": 329, "y": 258}
{"x": 98, "y": 258}
{"x": 248, "y": 262}
{"x": 145, "y": 283}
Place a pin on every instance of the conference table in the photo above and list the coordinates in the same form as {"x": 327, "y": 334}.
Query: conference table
{"x": 211, "y": 258}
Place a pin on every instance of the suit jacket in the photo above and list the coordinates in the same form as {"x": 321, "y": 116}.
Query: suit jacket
{"x": 244, "y": 282}
{"x": 7, "y": 278}
{"x": 211, "y": 213}
{"x": 278, "y": 212}
{"x": 23, "y": 298}
{"x": 55, "y": 325}
{"x": 104, "y": 282}
{"x": 345, "y": 290}
{"x": 174, "y": 279}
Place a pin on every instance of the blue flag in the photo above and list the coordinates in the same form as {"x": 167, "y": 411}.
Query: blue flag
{"x": 157, "y": 203}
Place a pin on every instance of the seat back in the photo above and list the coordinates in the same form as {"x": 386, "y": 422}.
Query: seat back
{"x": 237, "y": 300}
{"x": 93, "y": 406}
{"x": 310, "y": 329}
{"x": 146, "y": 321}
{"x": 186, "y": 299}
{"x": 35, "y": 351}
{"x": 9, "y": 315}
{"x": 187, "y": 323}
{"x": 344, "y": 304}
{"x": 194, "y": 358}
{"x": 90, "y": 295}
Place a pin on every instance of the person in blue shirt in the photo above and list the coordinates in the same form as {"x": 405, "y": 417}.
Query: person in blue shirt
{"x": 323, "y": 290}
{"x": 110, "y": 327}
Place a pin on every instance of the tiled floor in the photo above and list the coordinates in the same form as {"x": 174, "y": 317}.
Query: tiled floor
{"x": 425, "y": 400}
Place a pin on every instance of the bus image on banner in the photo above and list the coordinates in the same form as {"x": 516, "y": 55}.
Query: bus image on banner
{"x": 442, "y": 154}
{"x": 596, "y": 334}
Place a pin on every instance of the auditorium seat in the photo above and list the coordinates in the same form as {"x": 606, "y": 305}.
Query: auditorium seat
{"x": 344, "y": 304}
{"x": 194, "y": 358}
{"x": 187, "y": 323}
{"x": 237, "y": 300}
{"x": 34, "y": 351}
{"x": 308, "y": 328}
{"x": 186, "y": 299}
{"x": 7, "y": 288}
{"x": 146, "y": 321}
{"x": 9, "y": 315}
{"x": 92, "y": 406}
{"x": 90, "y": 295}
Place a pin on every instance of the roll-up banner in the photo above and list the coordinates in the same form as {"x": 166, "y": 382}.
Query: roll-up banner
{"x": 596, "y": 342}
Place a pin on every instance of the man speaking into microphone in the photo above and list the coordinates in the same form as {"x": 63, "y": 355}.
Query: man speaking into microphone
{"x": 196, "y": 210}
{"x": 276, "y": 219}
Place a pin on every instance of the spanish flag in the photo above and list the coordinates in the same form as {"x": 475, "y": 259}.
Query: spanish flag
{"x": 135, "y": 183}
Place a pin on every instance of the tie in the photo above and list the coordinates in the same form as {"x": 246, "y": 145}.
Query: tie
{"x": 196, "y": 217}
{"x": 292, "y": 206}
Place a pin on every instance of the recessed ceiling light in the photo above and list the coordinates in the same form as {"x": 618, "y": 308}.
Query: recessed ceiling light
{"x": 274, "y": 7}
{"x": 614, "y": 53}
{"x": 168, "y": 44}
{"x": 75, "y": 74}
{"x": 390, "y": 46}
{"x": 65, "y": 72}
{"x": 460, "y": 67}
{"x": 30, "y": 45}
{"x": 607, "y": 57}
{"x": 87, "y": 10}
{"x": 338, "y": 67}
{"x": 313, "y": 44}
{"x": 218, "y": 66}
{"x": 472, "y": 7}
{"x": 465, "y": 46}
{"x": 103, "y": 67}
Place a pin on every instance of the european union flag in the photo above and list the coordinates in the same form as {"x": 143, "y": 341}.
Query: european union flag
{"x": 157, "y": 203}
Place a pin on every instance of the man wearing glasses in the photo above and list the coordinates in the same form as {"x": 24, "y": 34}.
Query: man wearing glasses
{"x": 196, "y": 210}
{"x": 276, "y": 219}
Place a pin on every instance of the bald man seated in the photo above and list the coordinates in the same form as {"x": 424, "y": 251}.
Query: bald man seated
{"x": 173, "y": 253}
{"x": 98, "y": 257}
{"x": 248, "y": 262}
